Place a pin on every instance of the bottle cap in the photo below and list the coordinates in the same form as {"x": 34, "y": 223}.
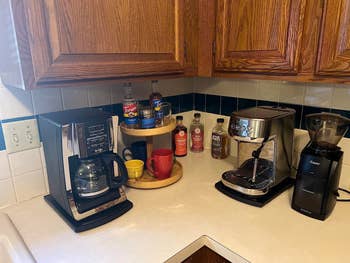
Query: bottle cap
{"x": 179, "y": 118}
{"x": 197, "y": 115}
{"x": 220, "y": 120}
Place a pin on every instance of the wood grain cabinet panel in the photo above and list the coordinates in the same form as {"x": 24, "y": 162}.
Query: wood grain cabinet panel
{"x": 258, "y": 36}
{"x": 96, "y": 39}
{"x": 334, "y": 49}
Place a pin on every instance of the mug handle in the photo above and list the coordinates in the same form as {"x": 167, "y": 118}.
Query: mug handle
{"x": 124, "y": 153}
{"x": 149, "y": 165}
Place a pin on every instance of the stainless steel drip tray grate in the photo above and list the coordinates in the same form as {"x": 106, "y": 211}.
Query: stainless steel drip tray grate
{"x": 243, "y": 176}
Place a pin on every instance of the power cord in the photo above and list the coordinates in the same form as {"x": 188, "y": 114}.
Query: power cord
{"x": 345, "y": 191}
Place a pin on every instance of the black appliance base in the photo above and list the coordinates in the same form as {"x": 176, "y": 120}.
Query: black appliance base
{"x": 305, "y": 212}
{"x": 258, "y": 201}
{"x": 93, "y": 221}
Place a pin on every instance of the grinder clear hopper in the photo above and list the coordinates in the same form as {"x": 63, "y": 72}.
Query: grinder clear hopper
{"x": 326, "y": 129}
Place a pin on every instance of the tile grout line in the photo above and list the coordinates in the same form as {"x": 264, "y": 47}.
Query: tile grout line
{"x": 12, "y": 178}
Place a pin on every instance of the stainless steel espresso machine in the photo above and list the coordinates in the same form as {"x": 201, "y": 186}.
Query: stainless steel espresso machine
{"x": 85, "y": 175}
{"x": 264, "y": 137}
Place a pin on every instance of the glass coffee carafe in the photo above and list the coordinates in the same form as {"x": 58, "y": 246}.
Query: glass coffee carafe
{"x": 91, "y": 177}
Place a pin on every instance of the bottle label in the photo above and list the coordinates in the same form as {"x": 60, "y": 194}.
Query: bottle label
{"x": 130, "y": 113}
{"x": 216, "y": 144}
{"x": 147, "y": 123}
{"x": 156, "y": 104}
{"x": 130, "y": 110}
{"x": 181, "y": 143}
{"x": 197, "y": 140}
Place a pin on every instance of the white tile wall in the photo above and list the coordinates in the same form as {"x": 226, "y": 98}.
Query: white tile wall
{"x": 5, "y": 172}
{"x": 117, "y": 93}
{"x": 141, "y": 90}
{"x": 291, "y": 92}
{"x": 99, "y": 96}
{"x": 247, "y": 89}
{"x": 23, "y": 176}
{"x": 15, "y": 103}
{"x": 341, "y": 97}
{"x": 268, "y": 90}
{"x": 7, "y": 193}
{"x": 74, "y": 98}
{"x": 29, "y": 185}
{"x": 218, "y": 86}
{"x": 318, "y": 95}
{"x": 25, "y": 161}
{"x": 47, "y": 100}
{"x": 171, "y": 87}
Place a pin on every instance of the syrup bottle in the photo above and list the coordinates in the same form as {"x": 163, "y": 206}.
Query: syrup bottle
{"x": 197, "y": 134}
{"x": 155, "y": 100}
{"x": 130, "y": 108}
{"x": 219, "y": 141}
{"x": 180, "y": 138}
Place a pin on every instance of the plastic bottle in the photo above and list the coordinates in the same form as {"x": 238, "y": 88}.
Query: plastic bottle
{"x": 197, "y": 134}
{"x": 155, "y": 99}
{"x": 219, "y": 141}
{"x": 180, "y": 138}
{"x": 130, "y": 108}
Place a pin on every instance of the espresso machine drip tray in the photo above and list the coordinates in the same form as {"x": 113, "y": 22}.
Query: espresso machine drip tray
{"x": 258, "y": 201}
{"x": 244, "y": 180}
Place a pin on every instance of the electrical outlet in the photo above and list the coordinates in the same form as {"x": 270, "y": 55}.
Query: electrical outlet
{"x": 21, "y": 135}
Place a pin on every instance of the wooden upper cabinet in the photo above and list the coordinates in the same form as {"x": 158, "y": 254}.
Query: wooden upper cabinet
{"x": 95, "y": 39}
{"x": 334, "y": 49}
{"x": 258, "y": 36}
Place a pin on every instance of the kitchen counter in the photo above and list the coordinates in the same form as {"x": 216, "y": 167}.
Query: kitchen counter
{"x": 164, "y": 221}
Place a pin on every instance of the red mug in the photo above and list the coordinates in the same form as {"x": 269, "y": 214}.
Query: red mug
{"x": 160, "y": 163}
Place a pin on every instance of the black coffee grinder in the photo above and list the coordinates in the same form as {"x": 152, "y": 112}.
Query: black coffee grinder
{"x": 85, "y": 175}
{"x": 317, "y": 180}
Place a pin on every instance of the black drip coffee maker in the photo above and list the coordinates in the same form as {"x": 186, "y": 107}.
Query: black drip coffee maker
{"x": 317, "y": 180}
{"x": 85, "y": 174}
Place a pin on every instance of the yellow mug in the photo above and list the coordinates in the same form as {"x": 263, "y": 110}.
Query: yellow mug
{"x": 135, "y": 168}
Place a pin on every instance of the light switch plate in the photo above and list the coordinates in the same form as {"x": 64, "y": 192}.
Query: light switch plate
{"x": 21, "y": 135}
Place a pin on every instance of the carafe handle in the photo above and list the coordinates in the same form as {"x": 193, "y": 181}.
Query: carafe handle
{"x": 122, "y": 178}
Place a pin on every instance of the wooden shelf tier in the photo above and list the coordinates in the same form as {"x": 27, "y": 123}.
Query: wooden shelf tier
{"x": 148, "y": 181}
{"x": 148, "y": 132}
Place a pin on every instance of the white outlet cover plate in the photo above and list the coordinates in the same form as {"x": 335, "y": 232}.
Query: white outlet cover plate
{"x": 21, "y": 135}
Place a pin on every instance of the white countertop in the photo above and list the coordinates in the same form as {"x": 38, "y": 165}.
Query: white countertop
{"x": 164, "y": 221}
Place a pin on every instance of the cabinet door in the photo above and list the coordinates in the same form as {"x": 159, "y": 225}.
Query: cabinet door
{"x": 334, "y": 49}
{"x": 258, "y": 36}
{"x": 96, "y": 39}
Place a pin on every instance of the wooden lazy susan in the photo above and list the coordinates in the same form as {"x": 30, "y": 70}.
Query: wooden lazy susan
{"x": 148, "y": 181}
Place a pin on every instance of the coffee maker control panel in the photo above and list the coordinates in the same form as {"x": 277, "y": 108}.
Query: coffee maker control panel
{"x": 91, "y": 138}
